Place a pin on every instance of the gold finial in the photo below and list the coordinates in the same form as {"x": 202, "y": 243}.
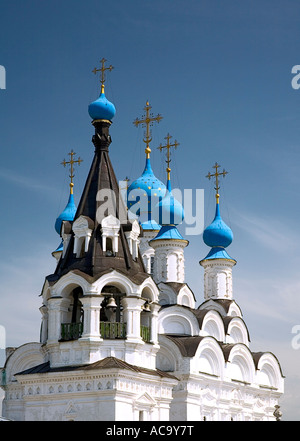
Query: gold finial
{"x": 216, "y": 176}
{"x": 147, "y": 120}
{"x": 71, "y": 163}
{"x": 102, "y": 70}
{"x": 168, "y": 147}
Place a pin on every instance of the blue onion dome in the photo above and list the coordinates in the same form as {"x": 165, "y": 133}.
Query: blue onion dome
{"x": 170, "y": 210}
{"x": 67, "y": 215}
{"x": 218, "y": 234}
{"x": 147, "y": 186}
{"x": 102, "y": 108}
{"x": 169, "y": 232}
{"x": 150, "y": 225}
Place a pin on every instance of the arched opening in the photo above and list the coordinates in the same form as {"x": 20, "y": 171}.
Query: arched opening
{"x": 109, "y": 247}
{"x": 146, "y": 314}
{"x": 72, "y": 327}
{"x": 172, "y": 268}
{"x": 111, "y": 314}
{"x": 77, "y": 311}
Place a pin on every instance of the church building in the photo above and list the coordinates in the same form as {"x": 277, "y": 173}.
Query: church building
{"x": 121, "y": 336}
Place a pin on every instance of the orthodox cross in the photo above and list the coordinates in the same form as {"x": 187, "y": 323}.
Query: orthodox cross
{"x": 102, "y": 70}
{"x": 168, "y": 147}
{"x": 71, "y": 163}
{"x": 147, "y": 120}
{"x": 216, "y": 176}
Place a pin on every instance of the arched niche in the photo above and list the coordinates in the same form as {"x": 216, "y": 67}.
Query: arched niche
{"x": 241, "y": 365}
{"x": 269, "y": 371}
{"x": 172, "y": 265}
{"x": 213, "y": 326}
{"x": 186, "y": 297}
{"x": 237, "y": 331}
{"x": 165, "y": 361}
{"x": 72, "y": 316}
{"x": 167, "y": 296}
{"x": 177, "y": 320}
{"x": 209, "y": 358}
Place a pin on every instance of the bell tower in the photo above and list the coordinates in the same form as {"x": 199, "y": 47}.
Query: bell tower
{"x": 100, "y": 301}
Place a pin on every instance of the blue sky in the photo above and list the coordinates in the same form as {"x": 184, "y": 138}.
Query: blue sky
{"x": 220, "y": 75}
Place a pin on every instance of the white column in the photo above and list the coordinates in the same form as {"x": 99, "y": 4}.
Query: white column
{"x": 146, "y": 250}
{"x": 91, "y": 305}
{"x": 44, "y": 325}
{"x": 76, "y": 245}
{"x": 155, "y": 307}
{"x": 115, "y": 243}
{"x": 132, "y": 316}
{"x": 135, "y": 250}
{"x": 87, "y": 240}
{"x": 56, "y": 307}
{"x": 103, "y": 242}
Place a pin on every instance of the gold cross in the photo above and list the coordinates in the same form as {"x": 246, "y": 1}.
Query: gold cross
{"x": 168, "y": 147}
{"x": 102, "y": 70}
{"x": 147, "y": 120}
{"x": 71, "y": 163}
{"x": 216, "y": 176}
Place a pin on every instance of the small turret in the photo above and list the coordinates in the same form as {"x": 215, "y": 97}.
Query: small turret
{"x": 217, "y": 264}
{"x": 168, "y": 243}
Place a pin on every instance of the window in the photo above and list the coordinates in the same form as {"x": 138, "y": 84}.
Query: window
{"x": 83, "y": 228}
{"x": 109, "y": 247}
{"x": 110, "y": 233}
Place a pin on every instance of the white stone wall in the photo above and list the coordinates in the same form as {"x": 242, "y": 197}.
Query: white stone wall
{"x": 89, "y": 396}
{"x": 217, "y": 278}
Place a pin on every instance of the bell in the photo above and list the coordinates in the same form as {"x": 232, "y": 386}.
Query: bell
{"x": 146, "y": 307}
{"x": 111, "y": 303}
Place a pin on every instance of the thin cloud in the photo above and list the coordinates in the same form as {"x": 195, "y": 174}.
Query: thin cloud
{"x": 273, "y": 297}
{"x": 24, "y": 181}
{"x": 269, "y": 232}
